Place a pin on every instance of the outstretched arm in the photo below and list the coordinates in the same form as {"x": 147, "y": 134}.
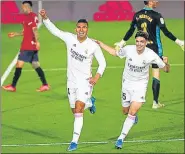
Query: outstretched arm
{"x": 167, "y": 33}
{"x": 107, "y": 48}
{"x": 51, "y": 27}
{"x": 13, "y": 34}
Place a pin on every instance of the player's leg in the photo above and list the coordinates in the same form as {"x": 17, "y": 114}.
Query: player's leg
{"x": 83, "y": 95}
{"x": 156, "y": 78}
{"x": 156, "y": 86}
{"x": 125, "y": 101}
{"x": 72, "y": 98}
{"x": 78, "y": 124}
{"x": 137, "y": 97}
{"x": 40, "y": 72}
{"x": 78, "y": 121}
{"x": 23, "y": 57}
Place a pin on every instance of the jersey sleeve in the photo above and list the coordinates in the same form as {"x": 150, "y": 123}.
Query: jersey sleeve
{"x": 55, "y": 31}
{"x": 160, "y": 21}
{"x": 122, "y": 52}
{"x": 162, "y": 25}
{"x": 35, "y": 21}
{"x": 157, "y": 60}
{"x": 100, "y": 59}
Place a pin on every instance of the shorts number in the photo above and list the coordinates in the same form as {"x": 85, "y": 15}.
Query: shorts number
{"x": 124, "y": 96}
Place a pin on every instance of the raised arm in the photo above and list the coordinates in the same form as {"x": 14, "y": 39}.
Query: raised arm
{"x": 51, "y": 27}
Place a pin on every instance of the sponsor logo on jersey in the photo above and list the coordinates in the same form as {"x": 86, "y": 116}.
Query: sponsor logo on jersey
{"x": 135, "y": 68}
{"x": 77, "y": 56}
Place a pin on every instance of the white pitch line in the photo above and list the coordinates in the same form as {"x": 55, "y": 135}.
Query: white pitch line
{"x": 108, "y": 67}
{"x": 106, "y": 142}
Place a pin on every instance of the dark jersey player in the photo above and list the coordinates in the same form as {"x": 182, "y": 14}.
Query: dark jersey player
{"x": 29, "y": 48}
{"x": 151, "y": 22}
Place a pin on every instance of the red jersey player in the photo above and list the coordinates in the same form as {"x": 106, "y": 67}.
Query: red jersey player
{"x": 29, "y": 48}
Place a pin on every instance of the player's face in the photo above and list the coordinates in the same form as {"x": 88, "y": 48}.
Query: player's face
{"x": 140, "y": 43}
{"x": 24, "y": 8}
{"x": 81, "y": 30}
{"x": 154, "y": 4}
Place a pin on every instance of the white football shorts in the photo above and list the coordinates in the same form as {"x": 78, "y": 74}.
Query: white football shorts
{"x": 132, "y": 93}
{"x": 81, "y": 92}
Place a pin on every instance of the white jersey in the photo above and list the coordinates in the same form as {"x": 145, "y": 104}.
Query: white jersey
{"x": 80, "y": 56}
{"x": 137, "y": 65}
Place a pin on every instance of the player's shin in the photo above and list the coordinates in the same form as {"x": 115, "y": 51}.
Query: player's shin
{"x": 16, "y": 77}
{"x": 41, "y": 74}
{"x": 78, "y": 123}
{"x": 129, "y": 122}
{"x": 156, "y": 89}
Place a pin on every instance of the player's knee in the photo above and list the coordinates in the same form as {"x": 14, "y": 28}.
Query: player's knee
{"x": 125, "y": 111}
{"x": 132, "y": 112}
{"x": 79, "y": 107}
{"x": 156, "y": 73}
{"x": 35, "y": 64}
{"x": 20, "y": 64}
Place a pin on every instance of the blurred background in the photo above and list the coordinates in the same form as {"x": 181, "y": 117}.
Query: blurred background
{"x": 92, "y": 10}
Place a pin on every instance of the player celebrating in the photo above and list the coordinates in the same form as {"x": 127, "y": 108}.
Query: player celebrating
{"x": 135, "y": 77}
{"x": 29, "y": 48}
{"x": 151, "y": 22}
{"x": 80, "y": 53}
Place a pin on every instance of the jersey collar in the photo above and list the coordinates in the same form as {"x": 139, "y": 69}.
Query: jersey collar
{"x": 147, "y": 8}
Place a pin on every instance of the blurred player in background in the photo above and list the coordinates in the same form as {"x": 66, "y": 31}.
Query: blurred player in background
{"x": 29, "y": 48}
{"x": 80, "y": 53}
{"x": 135, "y": 78}
{"x": 151, "y": 22}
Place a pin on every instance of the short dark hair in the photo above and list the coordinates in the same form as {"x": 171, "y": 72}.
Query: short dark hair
{"x": 82, "y": 21}
{"x": 142, "y": 34}
{"x": 146, "y": 2}
{"x": 28, "y": 2}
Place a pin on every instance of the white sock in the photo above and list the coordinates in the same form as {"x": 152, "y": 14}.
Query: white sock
{"x": 88, "y": 104}
{"x": 78, "y": 123}
{"x": 129, "y": 122}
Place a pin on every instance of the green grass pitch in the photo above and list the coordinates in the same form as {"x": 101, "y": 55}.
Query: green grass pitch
{"x": 29, "y": 117}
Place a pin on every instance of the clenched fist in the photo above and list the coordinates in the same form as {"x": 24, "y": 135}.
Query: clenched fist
{"x": 43, "y": 14}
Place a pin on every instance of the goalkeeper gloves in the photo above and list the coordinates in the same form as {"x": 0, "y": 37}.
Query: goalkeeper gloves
{"x": 120, "y": 44}
{"x": 180, "y": 43}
